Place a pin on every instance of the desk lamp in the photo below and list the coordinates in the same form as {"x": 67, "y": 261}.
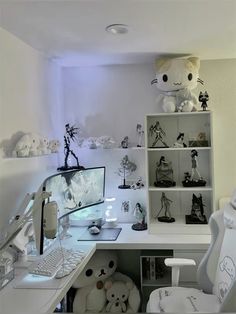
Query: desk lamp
{"x": 110, "y": 215}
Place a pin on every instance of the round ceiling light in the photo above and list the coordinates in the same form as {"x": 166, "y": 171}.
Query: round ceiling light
{"x": 117, "y": 29}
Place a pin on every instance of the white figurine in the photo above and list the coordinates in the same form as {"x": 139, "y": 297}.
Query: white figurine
{"x": 194, "y": 155}
{"x": 140, "y": 133}
{"x": 180, "y": 141}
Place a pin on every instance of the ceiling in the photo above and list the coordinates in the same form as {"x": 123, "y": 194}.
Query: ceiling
{"x": 73, "y": 32}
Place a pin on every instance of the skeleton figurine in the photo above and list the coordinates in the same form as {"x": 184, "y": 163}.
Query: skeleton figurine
{"x": 159, "y": 133}
{"x": 165, "y": 204}
{"x": 69, "y": 136}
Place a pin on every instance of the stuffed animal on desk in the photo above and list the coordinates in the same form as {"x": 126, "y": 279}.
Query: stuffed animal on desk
{"x": 28, "y": 145}
{"x": 91, "y": 294}
{"x": 175, "y": 79}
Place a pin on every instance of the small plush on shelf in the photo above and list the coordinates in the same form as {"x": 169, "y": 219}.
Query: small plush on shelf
{"x": 203, "y": 98}
{"x": 175, "y": 79}
{"x": 138, "y": 184}
{"x": 54, "y": 146}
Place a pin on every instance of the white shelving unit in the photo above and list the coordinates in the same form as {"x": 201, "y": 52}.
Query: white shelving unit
{"x": 154, "y": 273}
{"x": 191, "y": 124}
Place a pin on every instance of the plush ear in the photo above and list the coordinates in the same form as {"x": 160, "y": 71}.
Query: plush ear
{"x": 160, "y": 62}
{"x": 129, "y": 285}
{"x": 195, "y": 61}
{"x": 108, "y": 284}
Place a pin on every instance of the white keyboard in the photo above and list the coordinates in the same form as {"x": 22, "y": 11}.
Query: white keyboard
{"x": 59, "y": 262}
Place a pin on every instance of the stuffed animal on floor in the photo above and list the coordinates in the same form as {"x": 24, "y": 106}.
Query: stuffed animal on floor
{"x": 122, "y": 294}
{"x": 117, "y": 295}
{"x": 175, "y": 79}
{"x": 91, "y": 294}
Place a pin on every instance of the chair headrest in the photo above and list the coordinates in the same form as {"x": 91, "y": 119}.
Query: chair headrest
{"x": 230, "y": 216}
{"x": 233, "y": 199}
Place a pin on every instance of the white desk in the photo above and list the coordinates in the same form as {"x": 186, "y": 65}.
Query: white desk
{"x": 38, "y": 301}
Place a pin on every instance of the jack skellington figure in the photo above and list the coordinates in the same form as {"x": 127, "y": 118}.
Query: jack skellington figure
{"x": 159, "y": 133}
{"x": 69, "y": 136}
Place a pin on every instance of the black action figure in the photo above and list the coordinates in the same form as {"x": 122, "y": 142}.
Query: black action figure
{"x": 70, "y": 134}
{"x": 203, "y": 98}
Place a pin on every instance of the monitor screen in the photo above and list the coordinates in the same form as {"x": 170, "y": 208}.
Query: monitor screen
{"x": 72, "y": 190}
{"x": 76, "y": 189}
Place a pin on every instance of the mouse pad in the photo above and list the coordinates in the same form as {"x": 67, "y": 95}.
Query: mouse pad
{"x": 106, "y": 234}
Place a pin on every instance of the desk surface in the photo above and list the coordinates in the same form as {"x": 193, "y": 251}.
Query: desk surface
{"x": 36, "y": 301}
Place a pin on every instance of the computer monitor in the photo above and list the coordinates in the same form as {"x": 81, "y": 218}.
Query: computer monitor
{"x": 73, "y": 190}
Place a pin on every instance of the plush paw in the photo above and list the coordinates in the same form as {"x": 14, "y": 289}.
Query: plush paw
{"x": 186, "y": 106}
{"x": 169, "y": 106}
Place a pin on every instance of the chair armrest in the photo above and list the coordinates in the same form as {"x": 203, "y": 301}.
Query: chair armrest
{"x": 175, "y": 264}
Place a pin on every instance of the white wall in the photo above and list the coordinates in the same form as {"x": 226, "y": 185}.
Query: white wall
{"x": 111, "y": 100}
{"x": 29, "y": 102}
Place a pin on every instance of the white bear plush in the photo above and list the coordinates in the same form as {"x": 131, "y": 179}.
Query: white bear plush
{"x": 128, "y": 287}
{"x": 28, "y": 145}
{"x": 91, "y": 294}
{"x": 175, "y": 78}
{"x": 44, "y": 146}
{"x": 117, "y": 295}
{"x": 54, "y": 146}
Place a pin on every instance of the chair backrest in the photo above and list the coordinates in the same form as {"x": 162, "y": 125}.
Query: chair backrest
{"x": 217, "y": 271}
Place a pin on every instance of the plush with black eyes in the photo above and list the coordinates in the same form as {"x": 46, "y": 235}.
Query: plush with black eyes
{"x": 91, "y": 295}
{"x": 175, "y": 79}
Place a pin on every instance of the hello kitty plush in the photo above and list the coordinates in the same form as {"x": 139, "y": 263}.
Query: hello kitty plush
{"x": 175, "y": 78}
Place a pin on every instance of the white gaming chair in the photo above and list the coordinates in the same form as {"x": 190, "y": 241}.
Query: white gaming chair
{"x": 216, "y": 273}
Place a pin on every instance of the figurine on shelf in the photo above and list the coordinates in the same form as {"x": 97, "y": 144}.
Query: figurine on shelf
{"x": 137, "y": 184}
{"x": 180, "y": 141}
{"x": 197, "y": 212}
{"x": 127, "y": 167}
{"x": 164, "y": 173}
{"x": 125, "y": 142}
{"x": 69, "y": 136}
{"x": 140, "y": 215}
{"x": 192, "y": 181}
{"x": 165, "y": 204}
{"x": 159, "y": 133}
{"x": 203, "y": 98}
{"x": 140, "y": 133}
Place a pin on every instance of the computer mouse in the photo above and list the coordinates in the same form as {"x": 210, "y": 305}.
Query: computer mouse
{"x": 94, "y": 230}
